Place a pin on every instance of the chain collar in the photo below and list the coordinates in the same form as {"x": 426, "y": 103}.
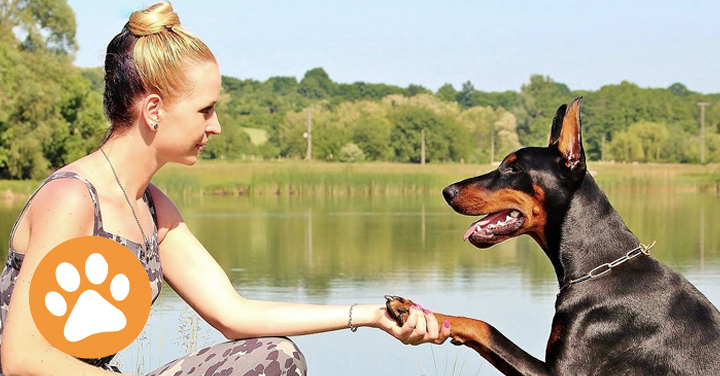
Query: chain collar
{"x": 605, "y": 268}
{"x": 147, "y": 246}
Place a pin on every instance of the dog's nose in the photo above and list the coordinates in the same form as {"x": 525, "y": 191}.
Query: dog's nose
{"x": 450, "y": 192}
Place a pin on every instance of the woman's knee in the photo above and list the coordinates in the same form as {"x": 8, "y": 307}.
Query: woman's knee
{"x": 269, "y": 356}
{"x": 288, "y": 356}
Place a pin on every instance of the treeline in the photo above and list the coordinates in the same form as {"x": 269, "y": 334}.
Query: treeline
{"x": 622, "y": 122}
{"x": 51, "y": 112}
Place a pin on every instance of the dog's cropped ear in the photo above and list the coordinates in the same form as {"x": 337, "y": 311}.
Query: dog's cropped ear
{"x": 557, "y": 124}
{"x": 569, "y": 139}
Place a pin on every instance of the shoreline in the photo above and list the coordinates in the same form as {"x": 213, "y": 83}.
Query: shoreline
{"x": 300, "y": 178}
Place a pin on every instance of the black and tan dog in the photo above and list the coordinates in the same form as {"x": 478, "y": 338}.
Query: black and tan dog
{"x": 619, "y": 311}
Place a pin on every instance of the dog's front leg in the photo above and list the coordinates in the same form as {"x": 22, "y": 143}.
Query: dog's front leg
{"x": 492, "y": 345}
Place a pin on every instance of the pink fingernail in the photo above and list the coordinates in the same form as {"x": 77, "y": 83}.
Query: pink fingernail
{"x": 427, "y": 311}
{"x": 446, "y": 324}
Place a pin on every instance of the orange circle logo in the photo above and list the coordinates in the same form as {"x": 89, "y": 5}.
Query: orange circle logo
{"x": 90, "y": 297}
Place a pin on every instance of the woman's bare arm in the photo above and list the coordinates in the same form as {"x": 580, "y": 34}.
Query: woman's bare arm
{"x": 61, "y": 211}
{"x": 197, "y": 277}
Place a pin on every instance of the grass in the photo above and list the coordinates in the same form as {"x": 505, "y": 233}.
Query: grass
{"x": 293, "y": 177}
{"x": 11, "y": 188}
{"x": 379, "y": 178}
{"x": 303, "y": 178}
{"x": 675, "y": 176}
{"x": 257, "y": 136}
{"x": 447, "y": 370}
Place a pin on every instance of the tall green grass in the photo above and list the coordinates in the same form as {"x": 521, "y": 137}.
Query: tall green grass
{"x": 317, "y": 178}
{"x": 301, "y": 178}
{"x": 634, "y": 176}
{"x": 337, "y": 179}
{"x": 9, "y": 189}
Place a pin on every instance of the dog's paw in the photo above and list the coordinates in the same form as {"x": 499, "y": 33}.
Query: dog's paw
{"x": 398, "y": 308}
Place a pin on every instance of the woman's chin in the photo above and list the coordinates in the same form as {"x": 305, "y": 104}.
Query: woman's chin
{"x": 189, "y": 160}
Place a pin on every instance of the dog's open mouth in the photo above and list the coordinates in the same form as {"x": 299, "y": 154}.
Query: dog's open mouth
{"x": 494, "y": 228}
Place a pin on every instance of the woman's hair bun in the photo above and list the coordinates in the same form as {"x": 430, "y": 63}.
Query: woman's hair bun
{"x": 153, "y": 19}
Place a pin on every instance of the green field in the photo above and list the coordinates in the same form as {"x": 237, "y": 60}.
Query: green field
{"x": 320, "y": 178}
{"x": 257, "y": 136}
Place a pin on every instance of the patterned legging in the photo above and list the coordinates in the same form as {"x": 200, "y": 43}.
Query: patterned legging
{"x": 271, "y": 356}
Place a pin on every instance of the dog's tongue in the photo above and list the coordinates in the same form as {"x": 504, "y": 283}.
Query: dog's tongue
{"x": 490, "y": 218}
{"x": 471, "y": 229}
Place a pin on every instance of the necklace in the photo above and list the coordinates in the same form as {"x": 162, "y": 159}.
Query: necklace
{"x": 146, "y": 244}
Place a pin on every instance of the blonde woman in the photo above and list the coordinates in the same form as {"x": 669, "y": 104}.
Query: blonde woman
{"x": 161, "y": 87}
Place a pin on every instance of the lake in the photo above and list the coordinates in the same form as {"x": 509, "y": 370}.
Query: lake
{"x": 342, "y": 250}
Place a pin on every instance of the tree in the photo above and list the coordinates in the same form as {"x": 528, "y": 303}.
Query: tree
{"x": 39, "y": 25}
{"x": 465, "y": 96}
{"x": 479, "y": 122}
{"x": 289, "y": 135}
{"x": 494, "y": 132}
{"x": 447, "y": 93}
{"x": 652, "y": 136}
{"x": 506, "y": 133}
{"x": 614, "y": 108}
{"x": 283, "y": 85}
{"x": 231, "y": 143}
{"x": 50, "y": 115}
{"x": 445, "y": 137}
{"x": 536, "y": 106}
{"x": 316, "y": 84}
{"x": 351, "y": 153}
{"x": 372, "y": 135}
{"x": 414, "y": 90}
{"x": 361, "y": 90}
{"x": 505, "y": 99}
{"x": 625, "y": 147}
{"x": 679, "y": 89}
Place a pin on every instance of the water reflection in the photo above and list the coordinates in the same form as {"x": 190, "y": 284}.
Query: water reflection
{"x": 340, "y": 250}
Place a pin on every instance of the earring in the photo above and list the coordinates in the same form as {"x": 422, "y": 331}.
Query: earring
{"x": 155, "y": 126}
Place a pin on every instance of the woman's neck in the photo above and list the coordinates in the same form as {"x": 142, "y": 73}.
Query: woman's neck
{"x": 133, "y": 162}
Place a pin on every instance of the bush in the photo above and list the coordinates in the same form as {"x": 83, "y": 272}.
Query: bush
{"x": 351, "y": 153}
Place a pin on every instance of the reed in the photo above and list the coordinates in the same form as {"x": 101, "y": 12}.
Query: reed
{"x": 338, "y": 179}
{"x": 293, "y": 177}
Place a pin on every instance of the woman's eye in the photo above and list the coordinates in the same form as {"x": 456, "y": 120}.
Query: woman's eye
{"x": 207, "y": 111}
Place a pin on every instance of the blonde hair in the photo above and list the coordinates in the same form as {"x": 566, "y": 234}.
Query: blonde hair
{"x": 151, "y": 54}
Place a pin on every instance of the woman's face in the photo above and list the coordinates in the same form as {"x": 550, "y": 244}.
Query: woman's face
{"x": 188, "y": 122}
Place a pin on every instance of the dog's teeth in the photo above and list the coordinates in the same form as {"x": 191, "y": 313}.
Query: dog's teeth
{"x": 508, "y": 218}
{"x": 478, "y": 228}
{"x": 514, "y": 213}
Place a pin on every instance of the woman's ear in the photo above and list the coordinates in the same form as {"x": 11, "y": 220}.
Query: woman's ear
{"x": 153, "y": 111}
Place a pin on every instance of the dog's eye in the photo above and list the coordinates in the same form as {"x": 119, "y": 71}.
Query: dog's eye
{"x": 512, "y": 168}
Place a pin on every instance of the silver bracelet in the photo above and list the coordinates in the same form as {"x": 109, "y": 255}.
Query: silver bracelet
{"x": 350, "y": 324}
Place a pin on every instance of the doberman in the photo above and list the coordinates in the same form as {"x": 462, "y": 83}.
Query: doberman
{"x": 618, "y": 311}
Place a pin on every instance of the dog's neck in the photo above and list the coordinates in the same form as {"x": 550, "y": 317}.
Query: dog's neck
{"x": 592, "y": 233}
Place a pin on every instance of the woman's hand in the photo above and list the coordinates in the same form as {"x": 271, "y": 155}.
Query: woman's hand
{"x": 420, "y": 327}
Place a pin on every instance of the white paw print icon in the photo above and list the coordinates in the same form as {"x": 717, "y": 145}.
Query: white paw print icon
{"x": 92, "y": 314}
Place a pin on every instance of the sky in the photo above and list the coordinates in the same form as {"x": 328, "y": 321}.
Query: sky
{"x": 495, "y": 44}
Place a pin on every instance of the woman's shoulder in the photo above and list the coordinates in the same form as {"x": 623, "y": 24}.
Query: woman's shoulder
{"x": 64, "y": 192}
{"x": 160, "y": 199}
{"x": 167, "y": 213}
{"x": 62, "y": 203}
